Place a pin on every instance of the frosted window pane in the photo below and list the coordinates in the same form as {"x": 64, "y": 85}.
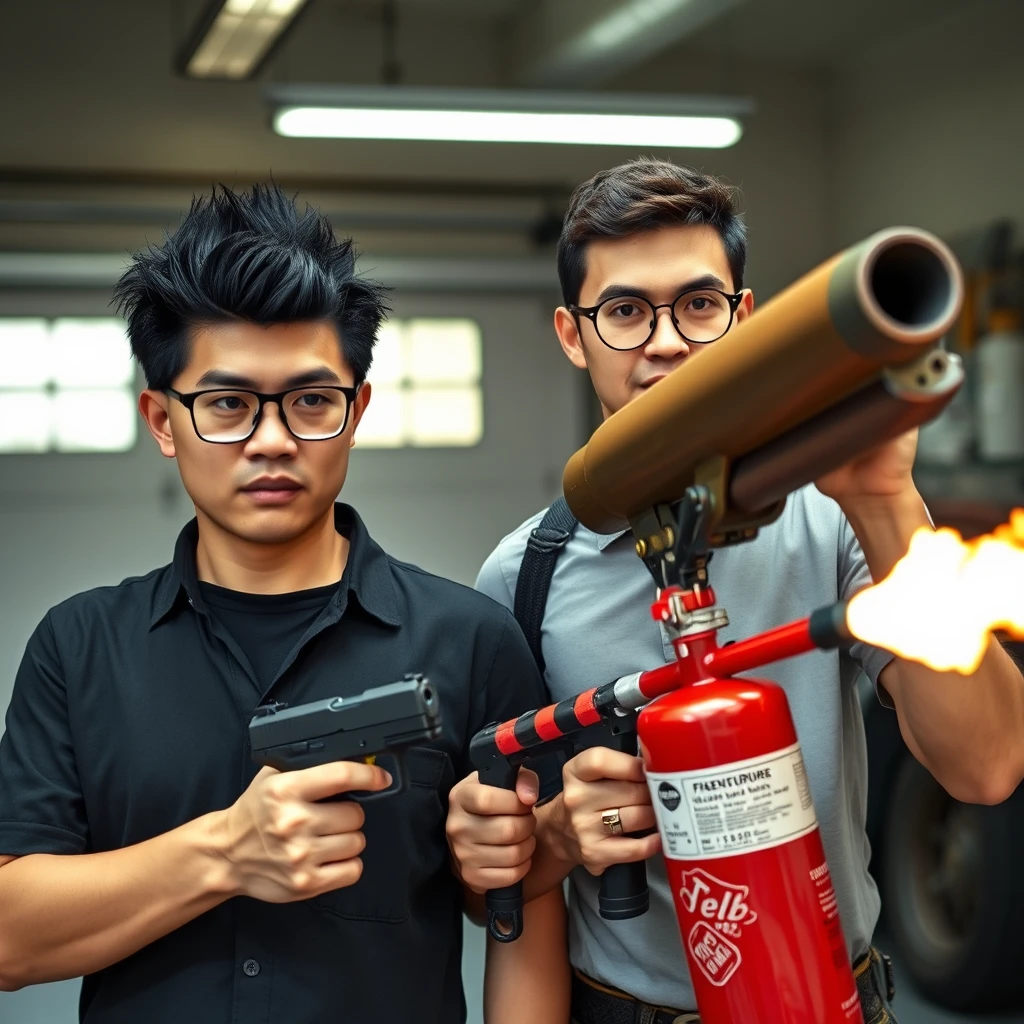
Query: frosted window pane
{"x": 26, "y": 418}
{"x": 387, "y": 356}
{"x": 445, "y": 416}
{"x": 91, "y": 353}
{"x": 24, "y": 353}
{"x": 444, "y": 351}
{"x": 383, "y": 423}
{"x": 98, "y": 421}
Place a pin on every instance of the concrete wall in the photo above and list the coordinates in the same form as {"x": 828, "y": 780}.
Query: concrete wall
{"x": 925, "y": 128}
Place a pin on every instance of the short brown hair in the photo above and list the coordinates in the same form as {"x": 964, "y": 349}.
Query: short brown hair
{"x": 641, "y": 195}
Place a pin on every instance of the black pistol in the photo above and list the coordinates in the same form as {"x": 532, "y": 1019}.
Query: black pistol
{"x": 382, "y": 720}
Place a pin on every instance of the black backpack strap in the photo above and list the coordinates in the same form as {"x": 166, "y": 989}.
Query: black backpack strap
{"x": 544, "y": 546}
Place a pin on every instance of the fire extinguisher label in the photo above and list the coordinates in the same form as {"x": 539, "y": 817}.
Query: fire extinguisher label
{"x": 733, "y": 808}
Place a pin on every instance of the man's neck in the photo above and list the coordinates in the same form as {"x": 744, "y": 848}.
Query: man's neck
{"x": 316, "y": 558}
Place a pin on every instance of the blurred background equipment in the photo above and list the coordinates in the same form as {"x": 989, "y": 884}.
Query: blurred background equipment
{"x": 851, "y": 117}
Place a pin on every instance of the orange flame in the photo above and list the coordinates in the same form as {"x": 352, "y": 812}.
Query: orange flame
{"x": 944, "y": 598}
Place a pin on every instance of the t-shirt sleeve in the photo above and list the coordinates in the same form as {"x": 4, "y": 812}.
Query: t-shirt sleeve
{"x": 854, "y": 575}
{"x": 492, "y": 581}
{"x": 41, "y": 805}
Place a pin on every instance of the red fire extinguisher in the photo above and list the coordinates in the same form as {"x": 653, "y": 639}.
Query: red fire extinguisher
{"x": 757, "y": 912}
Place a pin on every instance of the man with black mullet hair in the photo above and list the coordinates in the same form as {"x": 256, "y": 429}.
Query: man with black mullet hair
{"x": 139, "y": 846}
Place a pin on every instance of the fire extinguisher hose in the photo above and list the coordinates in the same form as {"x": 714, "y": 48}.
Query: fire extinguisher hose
{"x": 824, "y": 629}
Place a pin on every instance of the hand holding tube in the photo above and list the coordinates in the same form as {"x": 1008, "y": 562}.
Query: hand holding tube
{"x": 599, "y": 780}
{"x": 840, "y": 361}
{"x": 490, "y": 831}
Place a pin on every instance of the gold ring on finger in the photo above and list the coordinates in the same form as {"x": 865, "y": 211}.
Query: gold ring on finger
{"x": 611, "y": 822}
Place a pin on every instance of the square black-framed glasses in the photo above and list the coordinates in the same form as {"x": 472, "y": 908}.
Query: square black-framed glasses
{"x": 188, "y": 399}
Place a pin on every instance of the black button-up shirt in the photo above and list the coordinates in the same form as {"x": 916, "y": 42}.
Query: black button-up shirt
{"x": 129, "y": 717}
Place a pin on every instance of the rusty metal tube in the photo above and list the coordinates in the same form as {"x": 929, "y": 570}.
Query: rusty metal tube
{"x": 880, "y": 304}
{"x": 881, "y": 411}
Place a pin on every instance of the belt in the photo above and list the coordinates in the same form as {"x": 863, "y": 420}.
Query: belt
{"x": 595, "y": 1003}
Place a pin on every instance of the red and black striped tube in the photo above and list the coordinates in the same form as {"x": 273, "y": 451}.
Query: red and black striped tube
{"x": 545, "y": 724}
{"x": 822, "y": 630}
{"x": 570, "y": 716}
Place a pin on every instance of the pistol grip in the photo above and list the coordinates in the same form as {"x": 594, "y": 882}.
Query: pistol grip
{"x": 505, "y": 905}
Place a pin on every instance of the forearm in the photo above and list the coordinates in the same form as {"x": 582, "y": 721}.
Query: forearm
{"x": 967, "y": 730}
{"x": 529, "y": 979}
{"x": 65, "y": 916}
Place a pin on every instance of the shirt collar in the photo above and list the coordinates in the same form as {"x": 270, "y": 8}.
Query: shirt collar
{"x": 605, "y": 540}
{"x": 367, "y": 577}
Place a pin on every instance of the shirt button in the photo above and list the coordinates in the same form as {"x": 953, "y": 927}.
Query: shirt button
{"x": 251, "y": 967}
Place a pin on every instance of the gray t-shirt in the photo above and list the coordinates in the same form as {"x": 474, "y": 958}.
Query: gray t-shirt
{"x": 597, "y": 627}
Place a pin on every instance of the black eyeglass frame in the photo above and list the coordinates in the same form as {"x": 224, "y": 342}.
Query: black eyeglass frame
{"x": 188, "y": 399}
{"x": 590, "y": 312}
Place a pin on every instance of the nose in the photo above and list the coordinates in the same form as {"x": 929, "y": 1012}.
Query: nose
{"x": 271, "y": 438}
{"x": 666, "y": 342}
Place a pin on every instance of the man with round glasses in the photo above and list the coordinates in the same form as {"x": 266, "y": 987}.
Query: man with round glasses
{"x": 626, "y": 322}
{"x": 139, "y": 846}
{"x": 651, "y": 261}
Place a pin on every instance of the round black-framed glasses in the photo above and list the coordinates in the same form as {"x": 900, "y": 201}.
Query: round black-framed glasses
{"x": 230, "y": 415}
{"x": 626, "y": 322}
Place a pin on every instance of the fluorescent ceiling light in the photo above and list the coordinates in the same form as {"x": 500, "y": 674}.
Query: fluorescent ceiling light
{"x": 482, "y": 115}
{"x": 501, "y": 126}
{"x": 235, "y": 37}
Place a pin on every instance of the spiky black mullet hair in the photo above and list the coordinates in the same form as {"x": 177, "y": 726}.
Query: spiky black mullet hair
{"x": 245, "y": 256}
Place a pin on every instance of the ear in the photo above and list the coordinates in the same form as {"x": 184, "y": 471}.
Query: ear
{"x": 154, "y": 408}
{"x": 746, "y": 306}
{"x": 358, "y": 408}
{"x": 569, "y": 338}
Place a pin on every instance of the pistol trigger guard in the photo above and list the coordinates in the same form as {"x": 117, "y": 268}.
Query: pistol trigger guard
{"x": 398, "y": 779}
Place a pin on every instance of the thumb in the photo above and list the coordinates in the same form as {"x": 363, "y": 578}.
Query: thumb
{"x": 527, "y": 787}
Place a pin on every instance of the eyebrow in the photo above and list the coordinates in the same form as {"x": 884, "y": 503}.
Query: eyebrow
{"x": 616, "y": 290}
{"x": 226, "y": 379}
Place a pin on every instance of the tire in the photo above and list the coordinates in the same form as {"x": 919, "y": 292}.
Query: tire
{"x": 953, "y": 892}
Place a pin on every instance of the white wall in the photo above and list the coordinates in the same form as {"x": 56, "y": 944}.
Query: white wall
{"x": 926, "y": 129}
{"x": 72, "y": 522}
{"x": 780, "y": 164}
